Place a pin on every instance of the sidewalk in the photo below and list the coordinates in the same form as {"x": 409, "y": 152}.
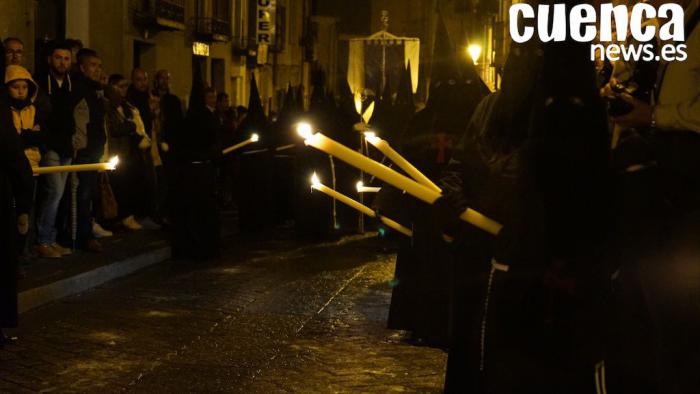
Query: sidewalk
{"x": 48, "y": 280}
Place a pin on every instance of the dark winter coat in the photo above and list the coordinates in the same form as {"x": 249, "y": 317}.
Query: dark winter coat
{"x": 58, "y": 103}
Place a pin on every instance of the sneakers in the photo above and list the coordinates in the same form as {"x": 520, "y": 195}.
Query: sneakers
{"x": 47, "y": 252}
{"x": 61, "y": 250}
{"x": 100, "y": 232}
{"x": 149, "y": 224}
{"x": 131, "y": 224}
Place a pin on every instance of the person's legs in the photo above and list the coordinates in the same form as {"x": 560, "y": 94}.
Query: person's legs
{"x": 51, "y": 188}
{"x": 87, "y": 185}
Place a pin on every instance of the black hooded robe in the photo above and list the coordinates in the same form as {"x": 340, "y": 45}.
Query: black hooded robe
{"x": 538, "y": 326}
{"x": 421, "y": 294}
{"x": 196, "y": 232}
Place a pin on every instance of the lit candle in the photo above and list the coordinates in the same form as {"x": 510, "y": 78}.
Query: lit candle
{"x": 111, "y": 165}
{"x": 361, "y": 188}
{"x": 399, "y": 181}
{"x": 357, "y": 160}
{"x": 404, "y": 164}
{"x": 316, "y": 184}
{"x": 253, "y": 138}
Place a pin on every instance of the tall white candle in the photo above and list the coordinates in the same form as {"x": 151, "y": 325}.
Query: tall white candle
{"x": 253, "y": 138}
{"x": 400, "y": 161}
{"x": 399, "y": 181}
{"x": 317, "y": 185}
{"x": 111, "y": 165}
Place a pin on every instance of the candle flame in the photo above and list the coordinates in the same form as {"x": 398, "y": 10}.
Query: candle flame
{"x": 255, "y": 137}
{"x": 358, "y": 103}
{"x": 113, "y": 162}
{"x": 315, "y": 181}
{"x": 371, "y": 136}
{"x": 359, "y": 186}
{"x": 305, "y": 131}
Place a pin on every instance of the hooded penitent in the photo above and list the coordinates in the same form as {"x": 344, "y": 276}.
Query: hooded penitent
{"x": 534, "y": 159}
{"x": 421, "y": 297}
{"x": 314, "y": 211}
{"x": 256, "y": 200}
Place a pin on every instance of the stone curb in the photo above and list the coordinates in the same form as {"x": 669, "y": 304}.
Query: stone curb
{"x": 32, "y": 298}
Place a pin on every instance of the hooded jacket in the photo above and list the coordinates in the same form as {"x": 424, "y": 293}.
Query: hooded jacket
{"x": 24, "y": 115}
{"x": 58, "y": 101}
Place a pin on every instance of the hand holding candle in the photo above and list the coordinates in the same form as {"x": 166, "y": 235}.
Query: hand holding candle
{"x": 111, "y": 165}
{"x": 253, "y": 138}
{"x": 317, "y": 185}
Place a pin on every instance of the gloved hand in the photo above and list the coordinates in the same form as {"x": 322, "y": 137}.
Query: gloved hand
{"x": 446, "y": 210}
{"x": 505, "y": 246}
{"x": 23, "y": 224}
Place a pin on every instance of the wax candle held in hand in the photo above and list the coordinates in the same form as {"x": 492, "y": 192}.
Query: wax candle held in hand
{"x": 253, "y": 138}
{"x": 317, "y": 185}
{"x": 111, "y": 165}
{"x": 404, "y": 164}
{"x": 399, "y": 181}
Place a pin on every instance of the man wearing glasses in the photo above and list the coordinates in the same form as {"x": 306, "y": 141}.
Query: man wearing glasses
{"x": 14, "y": 51}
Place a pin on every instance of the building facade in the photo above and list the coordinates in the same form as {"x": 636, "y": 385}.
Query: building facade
{"x": 468, "y": 22}
{"x": 228, "y": 41}
{"x": 278, "y": 41}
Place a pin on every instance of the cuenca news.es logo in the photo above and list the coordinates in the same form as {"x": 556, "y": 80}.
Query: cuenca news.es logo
{"x": 587, "y": 25}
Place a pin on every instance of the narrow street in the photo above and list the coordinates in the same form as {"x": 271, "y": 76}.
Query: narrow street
{"x": 269, "y": 317}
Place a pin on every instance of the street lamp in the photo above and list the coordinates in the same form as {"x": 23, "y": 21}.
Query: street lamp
{"x": 474, "y": 51}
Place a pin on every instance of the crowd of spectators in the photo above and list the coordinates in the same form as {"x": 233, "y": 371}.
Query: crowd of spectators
{"x": 72, "y": 111}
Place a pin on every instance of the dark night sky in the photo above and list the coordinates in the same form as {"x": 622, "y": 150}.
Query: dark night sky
{"x": 354, "y": 15}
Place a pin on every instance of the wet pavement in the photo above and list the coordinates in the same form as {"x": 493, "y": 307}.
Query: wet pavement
{"x": 272, "y": 316}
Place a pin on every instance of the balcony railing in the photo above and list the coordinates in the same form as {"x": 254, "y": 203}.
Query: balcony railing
{"x": 161, "y": 14}
{"x": 213, "y": 29}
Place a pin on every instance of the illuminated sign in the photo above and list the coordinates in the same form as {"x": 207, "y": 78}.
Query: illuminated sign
{"x": 265, "y": 21}
{"x": 200, "y": 48}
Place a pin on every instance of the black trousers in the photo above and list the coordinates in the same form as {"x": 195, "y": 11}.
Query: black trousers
{"x": 87, "y": 188}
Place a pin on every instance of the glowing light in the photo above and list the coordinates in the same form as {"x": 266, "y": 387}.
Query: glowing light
{"x": 474, "y": 51}
{"x": 113, "y": 163}
{"x": 255, "y": 137}
{"x": 305, "y": 131}
{"x": 371, "y": 136}
{"x": 358, "y": 103}
{"x": 359, "y": 186}
{"x": 200, "y": 48}
{"x": 315, "y": 181}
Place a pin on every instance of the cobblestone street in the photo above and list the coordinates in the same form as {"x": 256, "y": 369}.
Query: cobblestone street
{"x": 270, "y": 317}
